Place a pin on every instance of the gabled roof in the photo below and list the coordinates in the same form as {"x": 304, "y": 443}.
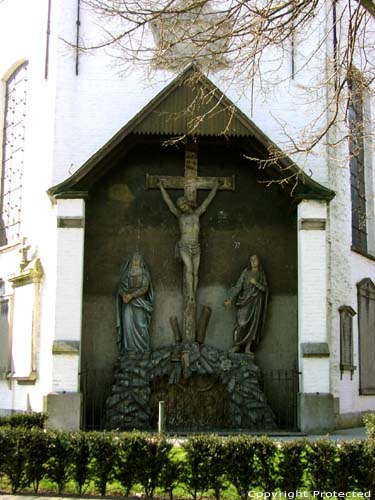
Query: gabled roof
{"x": 191, "y": 105}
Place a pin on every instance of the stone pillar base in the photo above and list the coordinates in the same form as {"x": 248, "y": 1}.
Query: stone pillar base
{"x": 63, "y": 410}
{"x": 316, "y": 414}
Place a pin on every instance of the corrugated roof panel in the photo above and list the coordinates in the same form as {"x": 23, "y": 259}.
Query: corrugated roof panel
{"x": 193, "y": 111}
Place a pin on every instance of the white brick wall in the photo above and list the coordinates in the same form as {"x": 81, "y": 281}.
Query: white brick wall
{"x": 315, "y": 375}
{"x": 312, "y": 264}
{"x": 312, "y": 295}
{"x": 69, "y": 273}
{"x": 65, "y": 373}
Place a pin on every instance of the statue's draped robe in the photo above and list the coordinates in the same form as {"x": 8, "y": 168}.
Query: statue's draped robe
{"x": 251, "y": 306}
{"x": 133, "y": 319}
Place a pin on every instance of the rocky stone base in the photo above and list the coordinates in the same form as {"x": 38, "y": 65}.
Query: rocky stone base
{"x": 203, "y": 388}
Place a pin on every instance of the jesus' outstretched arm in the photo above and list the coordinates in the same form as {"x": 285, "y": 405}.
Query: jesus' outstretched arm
{"x": 203, "y": 207}
{"x": 172, "y": 207}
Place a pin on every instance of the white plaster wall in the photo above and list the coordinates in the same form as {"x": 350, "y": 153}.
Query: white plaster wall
{"x": 346, "y": 268}
{"x": 22, "y": 330}
{"x": 26, "y": 40}
{"x": 282, "y": 105}
{"x": 340, "y": 284}
{"x": 93, "y": 105}
{"x": 348, "y": 390}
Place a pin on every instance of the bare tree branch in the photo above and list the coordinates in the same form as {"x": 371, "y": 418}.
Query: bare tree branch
{"x": 237, "y": 35}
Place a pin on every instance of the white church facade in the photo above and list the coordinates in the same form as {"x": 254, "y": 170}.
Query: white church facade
{"x": 71, "y": 124}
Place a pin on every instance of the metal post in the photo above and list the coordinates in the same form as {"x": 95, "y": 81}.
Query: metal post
{"x": 161, "y": 422}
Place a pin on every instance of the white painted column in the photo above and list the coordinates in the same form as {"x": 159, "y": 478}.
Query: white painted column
{"x": 70, "y": 246}
{"x": 316, "y": 402}
{"x": 68, "y": 315}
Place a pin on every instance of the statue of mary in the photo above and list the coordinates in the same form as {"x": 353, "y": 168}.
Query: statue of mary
{"x": 134, "y": 306}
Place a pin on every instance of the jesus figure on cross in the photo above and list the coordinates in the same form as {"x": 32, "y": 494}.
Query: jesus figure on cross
{"x": 188, "y": 216}
{"x": 188, "y": 248}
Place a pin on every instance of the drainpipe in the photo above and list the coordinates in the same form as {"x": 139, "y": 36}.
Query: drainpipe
{"x": 78, "y": 23}
{"x": 47, "y": 40}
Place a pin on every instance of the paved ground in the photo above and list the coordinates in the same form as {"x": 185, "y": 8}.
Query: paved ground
{"x": 342, "y": 434}
{"x": 356, "y": 433}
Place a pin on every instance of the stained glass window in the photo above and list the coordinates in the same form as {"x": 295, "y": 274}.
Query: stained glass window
{"x": 13, "y": 156}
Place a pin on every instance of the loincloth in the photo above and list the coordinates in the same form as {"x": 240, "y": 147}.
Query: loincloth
{"x": 191, "y": 249}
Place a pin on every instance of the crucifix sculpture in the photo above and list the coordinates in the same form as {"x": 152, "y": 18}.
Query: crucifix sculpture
{"x": 188, "y": 215}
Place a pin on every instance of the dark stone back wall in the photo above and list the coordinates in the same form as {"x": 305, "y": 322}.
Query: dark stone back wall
{"x": 121, "y": 217}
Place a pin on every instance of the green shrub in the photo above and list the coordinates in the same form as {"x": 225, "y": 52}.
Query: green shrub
{"x": 131, "y": 460}
{"x": 81, "y": 460}
{"x": 171, "y": 473}
{"x": 204, "y": 464}
{"x": 195, "y": 473}
{"x": 155, "y": 461}
{"x": 28, "y": 420}
{"x": 322, "y": 466}
{"x": 60, "y": 458}
{"x": 38, "y": 451}
{"x": 4, "y": 447}
{"x": 265, "y": 453}
{"x": 104, "y": 452}
{"x": 240, "y": 464}
{"x": 216, "y": 465}
{"x": 365, "y": 469}
{"x": 291, "y": 465}
{"x": 353, "y": 466}
{"x": 369, "y": 421}
{"x": 13, "y": 446}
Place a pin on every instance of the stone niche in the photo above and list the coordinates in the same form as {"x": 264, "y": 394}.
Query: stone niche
{"x": 122, "y": 217}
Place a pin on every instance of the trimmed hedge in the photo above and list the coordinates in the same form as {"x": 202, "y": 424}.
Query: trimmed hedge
{"x": 28, "y": 420}
{"x": 203, "y": 465}
{"x": 369, "y": 421}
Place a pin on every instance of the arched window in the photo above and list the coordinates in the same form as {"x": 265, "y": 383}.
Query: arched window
{"x": 13, "y": 155}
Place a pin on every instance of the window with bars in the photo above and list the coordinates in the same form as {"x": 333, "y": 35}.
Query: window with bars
{"x": 13, "y": 155}
{"x": 4, "y": 330}
{"x": 346, "y": 338}
{"x": 366, "y": 327}
{"x": 357, "y": 164}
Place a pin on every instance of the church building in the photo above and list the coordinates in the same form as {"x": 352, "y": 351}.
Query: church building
{"x": 183, "y": 229}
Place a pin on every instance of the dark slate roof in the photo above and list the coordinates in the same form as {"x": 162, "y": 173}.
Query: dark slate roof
{"x": 190, "y": 105}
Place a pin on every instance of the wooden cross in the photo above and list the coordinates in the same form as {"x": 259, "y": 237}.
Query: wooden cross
{"x": 190, "y": 182}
